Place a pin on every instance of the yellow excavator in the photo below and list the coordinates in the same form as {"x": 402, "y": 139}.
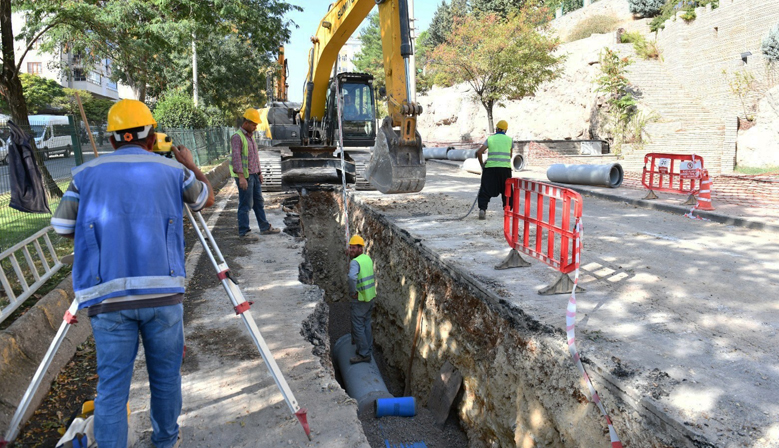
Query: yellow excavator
{"x": 309, "y": 134}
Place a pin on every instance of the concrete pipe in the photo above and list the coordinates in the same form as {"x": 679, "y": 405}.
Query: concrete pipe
{"x": 362, "y": 381}
{"x": 461, "y": 154}
{"x": 598, "y": 175}
{"x": 471, "y": 166}
{"x": 434, "y": 152}
{"x": 517, "y": 162}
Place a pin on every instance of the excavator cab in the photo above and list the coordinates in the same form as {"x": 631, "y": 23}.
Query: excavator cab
{"x": 359, "y": 110}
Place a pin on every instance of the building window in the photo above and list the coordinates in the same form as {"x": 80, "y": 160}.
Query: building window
{"x": 34, "y": 68}
{"x": 94, "y": 78}
{"x": 79, "y": 75}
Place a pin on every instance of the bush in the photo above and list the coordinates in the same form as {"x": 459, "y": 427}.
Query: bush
{"x": 672, "y": 6}
{"x": 215, "y": 117}
{"x": 596, "y": 24}
{"x": 645, "y": 49}
{"x": 177, "y": 110}
{"x": 770, "y": 47}
{"x": 646, "y": 8}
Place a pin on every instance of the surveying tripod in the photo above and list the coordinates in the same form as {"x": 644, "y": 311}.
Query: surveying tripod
{"x": 240, "y": 304}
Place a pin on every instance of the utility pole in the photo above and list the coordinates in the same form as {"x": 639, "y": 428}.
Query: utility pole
{"x": 194, "y": 70}
{"x": 412, "y": 61}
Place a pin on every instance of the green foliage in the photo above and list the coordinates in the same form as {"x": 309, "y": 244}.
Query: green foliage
{"x": 621, "y": 104}
{"x": 370, "y": 58}
{"x": 688, "y": 15}
{"x": 145, "y": 38}
{"x": 96, "y": 109}
{"x": 770, "y": 46}
{"x": 443, "y": 19}
{"x": 499, "y": 59}
{"x": 595, "y": 24}
{"x": 505, "y": 8}
{"x": 40, "y": 93}
{"x": 671, "y": 7}
{"x": 177, "y": 110}
{"x": 646, "y": 8}
{"x": 645, "y": 49}
{"x": 215, "y": 117}
{"x": 757, "y": 170}
{"x": 741, "y": 84}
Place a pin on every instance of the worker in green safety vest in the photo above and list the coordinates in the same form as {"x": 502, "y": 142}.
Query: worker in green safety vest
{"x": 362, "y": 290}
{"x": 497, "y": 169}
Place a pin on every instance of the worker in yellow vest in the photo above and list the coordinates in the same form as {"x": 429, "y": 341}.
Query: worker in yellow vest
{"x": 362, "y": 290}
{"x": 497, "y": 169}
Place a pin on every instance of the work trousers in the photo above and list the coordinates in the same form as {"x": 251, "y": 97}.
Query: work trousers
{"x": 251, "y": 199}
{"x": 116, "y": 339}
{"x": 362, "y": 336}
{"x": 493, "y": 183}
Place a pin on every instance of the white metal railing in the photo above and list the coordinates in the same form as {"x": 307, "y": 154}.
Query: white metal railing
{"x": 35, "y": 261}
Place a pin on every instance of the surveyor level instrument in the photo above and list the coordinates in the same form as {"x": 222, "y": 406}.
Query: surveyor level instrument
{"x": 240, "y": 305}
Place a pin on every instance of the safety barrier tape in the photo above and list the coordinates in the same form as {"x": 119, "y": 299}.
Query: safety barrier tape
{"x": 570, "y": 330}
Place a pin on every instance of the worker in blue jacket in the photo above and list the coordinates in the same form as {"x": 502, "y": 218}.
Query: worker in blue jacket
{"x": 124, "y": 211}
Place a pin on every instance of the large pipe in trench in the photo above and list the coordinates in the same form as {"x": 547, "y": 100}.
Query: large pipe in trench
{"x": 434, "y": 152}
{"x": 597, "y": 175}
{"x": 362, "y": 381}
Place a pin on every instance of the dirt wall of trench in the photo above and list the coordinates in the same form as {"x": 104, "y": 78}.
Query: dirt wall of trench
{"x": 520, "y": 386}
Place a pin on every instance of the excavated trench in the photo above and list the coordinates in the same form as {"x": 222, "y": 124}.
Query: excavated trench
{"x": 519, "y": 386}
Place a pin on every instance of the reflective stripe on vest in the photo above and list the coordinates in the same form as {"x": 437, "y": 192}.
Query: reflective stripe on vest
{"x": 244, "y": 157}
{"x": 499, "y": 151}
{"x": 366, "y": 284}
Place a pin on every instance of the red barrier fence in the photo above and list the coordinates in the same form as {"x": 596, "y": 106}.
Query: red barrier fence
{"x": 533, "y": 209}
{"x": 672, "y": 173}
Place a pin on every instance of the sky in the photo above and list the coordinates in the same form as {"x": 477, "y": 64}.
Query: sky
{"x": 308, "y": 21}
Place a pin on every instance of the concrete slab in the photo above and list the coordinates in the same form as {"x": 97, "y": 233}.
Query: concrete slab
{"x": 679, "y": 316}
{"x": 229, "y": 397}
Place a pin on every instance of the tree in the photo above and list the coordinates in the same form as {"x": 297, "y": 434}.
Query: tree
{"x": 370, "y": 58}
{"x": 646, "y": 8}
{"x": 39, "y": 93}
{"x": 443, "y": 18}
{"x": 499, "y": 59}
{"x": 505, "y": 8}
{"x": 770, "y": 46}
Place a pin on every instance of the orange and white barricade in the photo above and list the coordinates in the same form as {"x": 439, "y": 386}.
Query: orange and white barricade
{"x": 540, "y": 220}
{"x": 544, "y": 222}
{"x": 677, "y": 173}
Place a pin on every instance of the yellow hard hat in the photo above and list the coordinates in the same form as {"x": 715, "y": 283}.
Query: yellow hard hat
{"x": 357, "y": 240}
{"x": 502, "y": 125}
{"x": 129, "y": 114}
{"x": 252, "y": 115}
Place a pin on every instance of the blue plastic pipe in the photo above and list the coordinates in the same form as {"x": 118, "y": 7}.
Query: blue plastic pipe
{"x": 398, "y": 407}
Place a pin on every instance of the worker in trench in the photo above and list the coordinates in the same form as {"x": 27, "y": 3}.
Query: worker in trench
{"x": 497, "y": 169}
{"x": 362, "y": 290}
{"x": 124, "y": 211}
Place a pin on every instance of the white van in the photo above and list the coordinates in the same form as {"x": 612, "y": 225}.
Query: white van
{"x": 52, "y": 134}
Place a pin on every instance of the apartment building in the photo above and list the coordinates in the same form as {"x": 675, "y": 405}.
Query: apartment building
{"x": 67, "y": 68}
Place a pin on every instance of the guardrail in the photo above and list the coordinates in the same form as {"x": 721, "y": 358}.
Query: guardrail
{"x": 40, "y": 264}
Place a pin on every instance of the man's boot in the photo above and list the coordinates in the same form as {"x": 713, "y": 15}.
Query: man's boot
{"x": 482, "y": 214}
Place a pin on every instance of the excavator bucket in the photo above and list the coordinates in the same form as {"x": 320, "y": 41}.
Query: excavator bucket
{"x": 395, "y": 168}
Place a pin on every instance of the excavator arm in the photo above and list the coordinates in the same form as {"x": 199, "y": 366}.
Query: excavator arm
{"x": 397, "y": 164}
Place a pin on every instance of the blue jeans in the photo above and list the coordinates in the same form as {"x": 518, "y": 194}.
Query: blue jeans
{"x": 116, "y": 339}
{"x": 251, "y": 198}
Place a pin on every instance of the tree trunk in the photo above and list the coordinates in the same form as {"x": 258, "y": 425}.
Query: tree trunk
{"x": 11, "y": 89}
{"x": 488, "y": 107}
